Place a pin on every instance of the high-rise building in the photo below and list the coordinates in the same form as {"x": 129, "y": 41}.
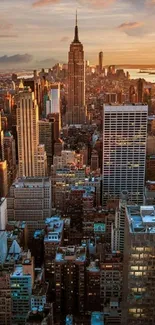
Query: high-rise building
{"x": 29, "y": 199}
{"x": 55, "y": 98}
{"x": 1, "y": 141}
{"x": 70, "y": 263}
{"x": 3, "y": 178}
{"x": 76, "y": 82}
{"x": 10, "y": 156}
{"x": 132, "y": 94}
{"x": 118, "y": 230}
{"x": 100, "y": 62}
{"x": 5, "y": 298}
{"x": 139, "y": 265}
{"x": 27, "y": 128}
{"x": 22, "y": 280}
{"x": 3, "y": 246}
{"x": 140, "y": 90}
{"x": 46, "y": 138}
{"x": 3, "y": 213}
{"x": 28, "y": 136}
{"x": 124, "y": 151}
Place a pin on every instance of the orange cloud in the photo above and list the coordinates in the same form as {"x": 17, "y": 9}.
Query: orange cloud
{"x": 41, "y": 3}
{"x": 97, "y": 3}
{"x": 131, "y": 25}
{"x": 94, "y": 3}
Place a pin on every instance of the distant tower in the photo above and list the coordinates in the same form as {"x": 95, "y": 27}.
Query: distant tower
{"x": 140, "y": 90}
{"x": 132, "y": 94}
{"x": 76, "y": 79}
{"x": 100, "y": 62}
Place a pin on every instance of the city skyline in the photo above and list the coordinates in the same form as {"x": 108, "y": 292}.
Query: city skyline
{"x": 123, "y": 31}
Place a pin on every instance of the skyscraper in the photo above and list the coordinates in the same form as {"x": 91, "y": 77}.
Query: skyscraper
{"x": 124, "y": 151}
{"x": 100, "y": 61}
{"x": 1, "y": 141}
{"x": 140, "y": 90}
{"x": 55, "y": 98}
{"x": 139, "y": 264}
{"x": 76, "y": 80}
{"x": 28, "y": 136}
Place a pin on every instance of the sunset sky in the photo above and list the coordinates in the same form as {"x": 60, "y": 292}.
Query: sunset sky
{"x": 33, "y": 31}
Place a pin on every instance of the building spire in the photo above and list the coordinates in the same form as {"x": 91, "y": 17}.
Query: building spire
{"x": 76, "y": 36}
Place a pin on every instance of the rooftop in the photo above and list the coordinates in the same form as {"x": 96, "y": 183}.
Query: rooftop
{"x": 126, "y": 108}
{"x": 141, "y": 218}
{"x": 54, "y": 229}
{"x": 97, "y": 318}
{"x": 32, "y": 182}
{"x": 69, "y": 320}
{"x": 93, "y": 267}
{"x": 71, "y": 253}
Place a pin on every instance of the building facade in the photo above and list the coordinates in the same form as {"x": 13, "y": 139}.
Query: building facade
{"x": 139, "y": 265}
{"x": 76, "y": 81}
{"x": 124, "y": 151}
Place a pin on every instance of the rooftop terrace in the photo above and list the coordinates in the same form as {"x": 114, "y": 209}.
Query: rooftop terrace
{"x": 54, "y": 229}
{"x": 32, "y": 182}
{"x": 141, "y": 219}
{"x": 71, "y": 253}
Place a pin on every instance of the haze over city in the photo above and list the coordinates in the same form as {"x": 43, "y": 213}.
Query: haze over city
{"x": 36, "y": 33}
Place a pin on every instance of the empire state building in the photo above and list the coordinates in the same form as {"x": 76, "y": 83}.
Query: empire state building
{"x": 76, "y": 111}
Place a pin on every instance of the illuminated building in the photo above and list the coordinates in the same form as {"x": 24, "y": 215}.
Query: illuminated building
{"x": 70, "y": 265}
{"x": 76, "y": 82}
{"x": 124, "y": 150}
{"x": 54, "y": 236}
{"x": 3, "y": 213}
{"x": 140, "y": 90}
{"x": 55, "y": 98}
{"x": 1, "y": 142}
{"x": 100, "y": 62}
{"x": 139, "y": 264}
{"x": 93, "y": 287}
{"x": 5, "y": 298}
{"x": 10, "y": 157}
{"x": 111, "y": 277}
{"x": 22, "y": 280}
{"x": 28, "y": 136}
{"x": 29, "y": 199}
{"x": 3, "y": 179}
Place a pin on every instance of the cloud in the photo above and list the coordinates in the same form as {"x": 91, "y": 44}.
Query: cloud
{"x": 47, "y": 63}
{"x": 5, "y": 26}
{"x": 97, "y": 3}
{"x": 130, "y": 25}
{"x": 40, "y": 3}
{"x": 64, "y": 39}
{"x": 8, "y": 36}
{"x": 16, "y": 59}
